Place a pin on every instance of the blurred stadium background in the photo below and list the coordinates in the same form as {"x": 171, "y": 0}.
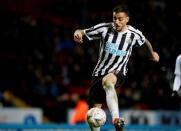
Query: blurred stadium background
{"x": 44, "y": 74}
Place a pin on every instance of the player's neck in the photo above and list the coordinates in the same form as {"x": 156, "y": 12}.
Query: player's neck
{"x": 125, "y": 28}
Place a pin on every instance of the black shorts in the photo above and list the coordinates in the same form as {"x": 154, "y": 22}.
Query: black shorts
{"x": 97, "y": 93}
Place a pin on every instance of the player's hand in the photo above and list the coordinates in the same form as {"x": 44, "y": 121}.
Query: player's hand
{"x": 78, "y": 36}
{"x": 155, "y": 57}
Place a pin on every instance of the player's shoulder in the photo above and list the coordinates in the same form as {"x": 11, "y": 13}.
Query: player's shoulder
{"x": 101, "y": 25}
{"x": 104, "y": 24}
{"x": 134, "y": 30}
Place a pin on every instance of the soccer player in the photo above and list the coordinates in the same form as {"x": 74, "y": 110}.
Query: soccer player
{"x": 177, "y": 79}
{"x": 117, "y": 40}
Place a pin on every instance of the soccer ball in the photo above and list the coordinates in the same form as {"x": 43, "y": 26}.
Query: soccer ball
{"x": 96, "y": 117}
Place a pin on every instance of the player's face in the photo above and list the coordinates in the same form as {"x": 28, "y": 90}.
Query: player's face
{"x": 120, "y": 20}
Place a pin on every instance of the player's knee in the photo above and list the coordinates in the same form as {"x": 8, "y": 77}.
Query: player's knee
{"x": 109, "y": 80}
{"x": 107, "y": 83}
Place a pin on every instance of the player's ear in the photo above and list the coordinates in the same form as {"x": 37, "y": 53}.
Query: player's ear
{"x": 127, "y": 18}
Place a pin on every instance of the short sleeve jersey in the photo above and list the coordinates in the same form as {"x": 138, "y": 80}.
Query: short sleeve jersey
{"x": 115, "y": 47}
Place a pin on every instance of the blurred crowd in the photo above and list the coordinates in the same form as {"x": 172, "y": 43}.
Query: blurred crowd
{"x": 42, "y": 65}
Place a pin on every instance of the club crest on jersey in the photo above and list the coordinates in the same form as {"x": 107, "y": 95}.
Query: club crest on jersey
{"x": 110, "y": 34}
{"x": 129, "y": 41}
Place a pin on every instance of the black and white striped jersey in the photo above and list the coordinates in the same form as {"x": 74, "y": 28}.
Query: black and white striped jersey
{"x": 115, "y": 47}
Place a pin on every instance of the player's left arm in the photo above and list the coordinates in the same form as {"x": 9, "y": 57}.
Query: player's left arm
{"x": 152, "y": 54}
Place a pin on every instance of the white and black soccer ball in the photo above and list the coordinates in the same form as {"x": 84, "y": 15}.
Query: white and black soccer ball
{"x": 96, "y": 117}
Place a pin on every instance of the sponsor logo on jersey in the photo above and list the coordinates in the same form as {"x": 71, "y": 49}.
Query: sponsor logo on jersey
{"x": 113, "y": 49}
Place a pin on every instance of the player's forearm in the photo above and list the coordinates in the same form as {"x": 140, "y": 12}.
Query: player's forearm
{"x": 149, "y": 49}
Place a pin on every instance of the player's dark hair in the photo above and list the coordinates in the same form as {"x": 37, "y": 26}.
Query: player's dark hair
{"x": 121, "y": 8}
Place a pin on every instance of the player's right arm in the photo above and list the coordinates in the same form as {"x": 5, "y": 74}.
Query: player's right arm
{"x": 78, "y": 36}
{"x": 92, "y": 33}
